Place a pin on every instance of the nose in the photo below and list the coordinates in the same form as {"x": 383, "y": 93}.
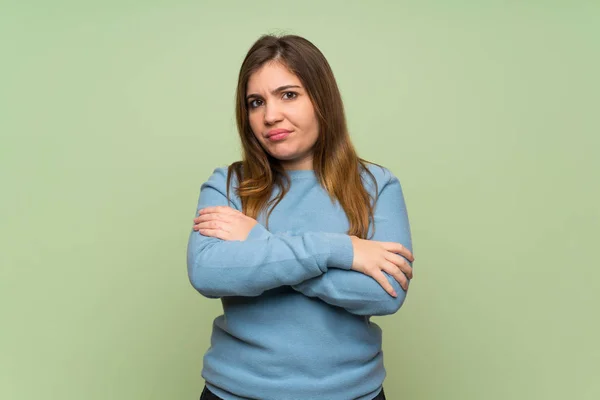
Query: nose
{"x": 272, "y": 114}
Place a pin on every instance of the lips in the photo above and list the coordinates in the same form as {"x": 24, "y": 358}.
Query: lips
{"x": 274, "y": 132}
{"x": 278, "y": 134}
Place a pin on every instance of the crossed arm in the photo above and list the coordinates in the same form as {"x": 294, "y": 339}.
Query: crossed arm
{"x": 316, "y": 264}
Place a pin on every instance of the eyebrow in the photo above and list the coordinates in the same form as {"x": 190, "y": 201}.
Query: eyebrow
{"x": 275, "y": 91}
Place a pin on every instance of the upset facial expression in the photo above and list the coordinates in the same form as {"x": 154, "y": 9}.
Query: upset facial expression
{"x": 282, "y": 116}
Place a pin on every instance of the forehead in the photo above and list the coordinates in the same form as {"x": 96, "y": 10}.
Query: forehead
{"x": 271, "y": 76}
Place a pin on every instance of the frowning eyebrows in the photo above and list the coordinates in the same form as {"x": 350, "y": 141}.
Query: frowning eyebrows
{"x": 275, "y": 91}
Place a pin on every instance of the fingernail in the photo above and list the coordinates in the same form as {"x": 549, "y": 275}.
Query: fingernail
{"x": 394, "y": 294}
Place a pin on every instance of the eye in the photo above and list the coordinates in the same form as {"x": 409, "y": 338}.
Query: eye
{"x": 255, "y": 103}
{"x": 290, "y": 95}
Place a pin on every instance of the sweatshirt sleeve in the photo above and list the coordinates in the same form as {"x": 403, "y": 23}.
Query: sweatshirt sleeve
{"x": 263, "y": 261}
{"x": 356, "y": 292}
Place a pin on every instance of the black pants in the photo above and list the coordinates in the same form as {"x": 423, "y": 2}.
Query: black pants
{"x": 208, "y": 395}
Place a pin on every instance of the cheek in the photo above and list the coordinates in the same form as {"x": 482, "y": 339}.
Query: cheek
{"x": 312, "y": 123}
{"x": 255, "y": 120}
{"x": 306, "y": 118}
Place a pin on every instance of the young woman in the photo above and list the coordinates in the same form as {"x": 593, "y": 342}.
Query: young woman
{"x": 302, "y": 240}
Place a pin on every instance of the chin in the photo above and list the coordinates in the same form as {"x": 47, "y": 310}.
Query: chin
{"x": 284, "y": 155}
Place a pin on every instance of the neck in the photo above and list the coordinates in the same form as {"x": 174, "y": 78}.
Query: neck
{"x": 303, "y": 164}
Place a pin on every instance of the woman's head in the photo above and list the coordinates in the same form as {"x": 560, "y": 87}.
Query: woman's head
{"x": 290, "y": 116}
{"x": 281, "y": 115}
{"x": 286, "y": 84}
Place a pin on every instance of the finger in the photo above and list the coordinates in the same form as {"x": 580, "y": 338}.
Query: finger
{"x": 213, "y": 217}
{"x": 396, "y": 273}
{"x": 217, "y": 209}
{"x": 401, "y": 263}
{"x": 214, "y": 225}
{"x": 384, "y": 282}
{"x": 216, "y": 233}
{"x": 399, "y": 249}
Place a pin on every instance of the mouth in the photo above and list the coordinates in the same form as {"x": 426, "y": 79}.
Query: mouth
{"x": 278, "y": 134}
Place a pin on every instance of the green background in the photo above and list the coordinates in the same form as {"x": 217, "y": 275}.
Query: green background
{"x": 113, "y": 113}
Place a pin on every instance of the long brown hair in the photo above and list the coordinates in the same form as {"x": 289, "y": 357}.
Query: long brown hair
{"x": 335, "y": 161}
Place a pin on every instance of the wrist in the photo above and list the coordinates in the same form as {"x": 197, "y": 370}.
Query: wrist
{"x": 257, "y": 232}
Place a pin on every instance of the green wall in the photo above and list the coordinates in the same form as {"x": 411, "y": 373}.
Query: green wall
{"x": 113, "y": 113}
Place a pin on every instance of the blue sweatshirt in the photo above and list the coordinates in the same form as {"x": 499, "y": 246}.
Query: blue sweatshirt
{"x": 296, "y": 318}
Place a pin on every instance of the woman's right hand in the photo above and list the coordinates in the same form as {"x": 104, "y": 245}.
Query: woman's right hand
{"x": 372, "y": 257}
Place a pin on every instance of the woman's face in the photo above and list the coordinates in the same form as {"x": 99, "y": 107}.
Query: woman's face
{"x": 282, "y": 116}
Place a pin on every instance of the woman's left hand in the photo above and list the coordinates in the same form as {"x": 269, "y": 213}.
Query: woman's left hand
{"x": 224, "y": 223}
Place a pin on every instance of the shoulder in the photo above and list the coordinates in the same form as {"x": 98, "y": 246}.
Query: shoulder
{"x": 218, "y": 178}
{"x": 377, "y": 177}
{"x": 217, "y": 181}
